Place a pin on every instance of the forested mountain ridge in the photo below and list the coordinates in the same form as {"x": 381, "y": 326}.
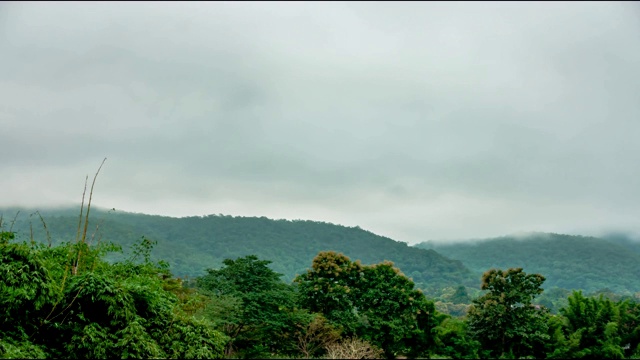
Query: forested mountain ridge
{"x": 569, "y": 262}
{"x": 66, "y": 301}
{"x": 626, "y": 240}
{"x": 193, "y": 244}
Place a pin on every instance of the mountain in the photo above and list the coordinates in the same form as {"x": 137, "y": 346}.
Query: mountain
{"x": 569, "y": 262}
{"x": 193, "y": 244}
{"x": 627, "y": 240}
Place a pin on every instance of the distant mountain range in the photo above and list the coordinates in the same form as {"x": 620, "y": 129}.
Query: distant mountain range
{"x": 193, "y": 244}
{"x": 569, "y": 262}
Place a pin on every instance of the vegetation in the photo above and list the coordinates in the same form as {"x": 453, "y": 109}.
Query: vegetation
{"x": 192, "y": 244}
{"x": 88, "y": 298}
{"x": 250, "y": 304}
{"x": 504, "y": 320}
{"x": 66, "y": 301}
{"x": 568, "y": 262}
{"x": 375, "y": 303}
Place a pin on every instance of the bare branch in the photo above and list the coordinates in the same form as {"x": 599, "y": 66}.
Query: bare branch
{"x": 86, "y": 221}
{"x": 14, "y": 221}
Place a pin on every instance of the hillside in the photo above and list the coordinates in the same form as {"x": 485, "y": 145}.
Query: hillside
{"x": 626, "y": 240}
{"x": 192, "y": 244}
{"x": 569, "y": 262}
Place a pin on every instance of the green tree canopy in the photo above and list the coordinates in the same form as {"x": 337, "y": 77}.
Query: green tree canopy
{"x": 590, "y": 329}
{"x": 251, "y": 305}
{"x": 503, "y": 320}
{"x": 376, "y": 303}
{"x": 65, "y": 301}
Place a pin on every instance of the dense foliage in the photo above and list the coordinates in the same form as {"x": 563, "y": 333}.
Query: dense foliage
{"x": 504, "y": 320}
{"x": 64, "y": 301}
{"x": 77, "y": 300}
{"x": 376, "y": 303}
{"x": 250, "y": 303}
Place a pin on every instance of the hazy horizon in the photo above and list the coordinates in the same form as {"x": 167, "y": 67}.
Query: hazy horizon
{"x": 415, "y": 121}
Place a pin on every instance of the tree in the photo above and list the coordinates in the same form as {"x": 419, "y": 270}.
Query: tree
{"x": 630, "y": 327}
{"x": 330, "y": 288}
{"x": 453, "y": 340}
{"x": 376, "y": 303}
{"x": 394, "y": 315}
{"x": 590, "y": 329}
{"x": 250, "y": 304}
{"x": 503, "y": 320}
{"x": 461, "y": 296}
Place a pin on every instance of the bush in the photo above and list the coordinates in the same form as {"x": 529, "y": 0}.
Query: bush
{"x": 353, "y": 348}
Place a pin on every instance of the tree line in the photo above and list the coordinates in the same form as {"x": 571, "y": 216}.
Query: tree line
{"x": 193, "y": 244}
{"x": 67, "y": 301}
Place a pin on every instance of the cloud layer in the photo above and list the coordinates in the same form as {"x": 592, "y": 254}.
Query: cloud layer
{"x": 413, "y": 120}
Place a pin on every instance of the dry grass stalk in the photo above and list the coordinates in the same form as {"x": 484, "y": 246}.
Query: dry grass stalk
{"x": 86, "y": 219}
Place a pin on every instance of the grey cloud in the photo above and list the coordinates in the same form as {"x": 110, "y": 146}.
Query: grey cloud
{"x": 376, "y": 113}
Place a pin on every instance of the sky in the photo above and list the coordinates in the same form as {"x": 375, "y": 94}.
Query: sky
{"x": 416, "y": 120}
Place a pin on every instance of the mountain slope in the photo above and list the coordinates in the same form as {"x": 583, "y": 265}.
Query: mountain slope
{"x": 570, "y": 262}
{"x": 626, "y": 240}
{"x": 193, "y": 244}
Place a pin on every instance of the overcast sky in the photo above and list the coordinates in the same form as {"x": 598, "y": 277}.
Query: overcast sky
{"x": 417, "y": 120}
